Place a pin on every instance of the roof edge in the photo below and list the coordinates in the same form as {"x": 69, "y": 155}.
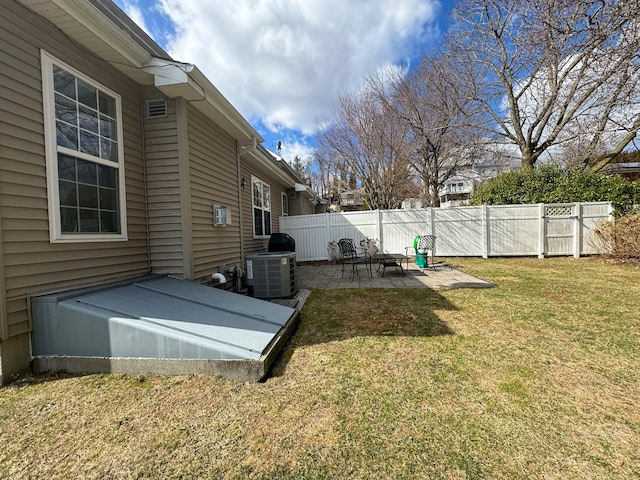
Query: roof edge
{"x": 95, "y": 20}
{"x": 134, "y": 52}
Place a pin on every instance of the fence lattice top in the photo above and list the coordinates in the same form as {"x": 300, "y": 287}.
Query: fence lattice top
{"x": 558, "y": 211}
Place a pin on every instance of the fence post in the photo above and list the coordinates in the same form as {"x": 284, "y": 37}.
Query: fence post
{"x": 328, "y": 230}
{"x": 432, "y": 212}
{"x": 577, "y": 230}
{"x": 379, "y": 231}
{"x": 486, "y": 231}
{"x": 542, "y": 230}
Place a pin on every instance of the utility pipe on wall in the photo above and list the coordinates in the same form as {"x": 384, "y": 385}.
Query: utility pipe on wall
{"x": 219, "y": 277}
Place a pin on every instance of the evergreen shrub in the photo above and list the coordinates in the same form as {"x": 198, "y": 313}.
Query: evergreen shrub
{"x": 552, "y": 184}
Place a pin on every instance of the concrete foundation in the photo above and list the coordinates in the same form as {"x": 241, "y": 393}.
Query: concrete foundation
{"x": 15, "y": 354}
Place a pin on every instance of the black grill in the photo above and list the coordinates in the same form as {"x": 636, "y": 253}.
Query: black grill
{"x": 281, "y": 242}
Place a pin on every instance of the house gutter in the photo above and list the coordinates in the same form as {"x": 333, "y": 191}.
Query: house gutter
{"x": 107, "y": 34}
{"x": 105, "y": 30}
{"x": 275, "y": 165}
{"x": 176, "y": 79}
{"x": 261, "y": 158}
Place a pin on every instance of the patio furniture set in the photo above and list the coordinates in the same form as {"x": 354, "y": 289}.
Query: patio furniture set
{"x": 422, "y": 248}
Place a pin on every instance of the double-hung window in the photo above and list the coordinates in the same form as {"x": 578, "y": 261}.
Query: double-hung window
{"x": 285, "y": 204}
{"x": 261, "y": 208}
{"x": 85, "y": 172}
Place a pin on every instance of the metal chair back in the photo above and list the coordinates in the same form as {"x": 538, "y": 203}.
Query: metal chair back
{"x": 426, "y": 243}
{"x": 347, "y": 249}
{"x": 349, "y": 255}
{"x": 423, "y": 247}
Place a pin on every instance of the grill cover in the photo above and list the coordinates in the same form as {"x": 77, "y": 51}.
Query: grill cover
{"x": 281, "y": 242}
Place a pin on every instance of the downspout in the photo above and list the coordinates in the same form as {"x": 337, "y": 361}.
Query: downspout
{"x": 4, "y": 321}
{"x": 240, "y": 192}
{"x": 144, "y": 177}
{"x": 241, "y": 150}
{"x": 184, "y": 179}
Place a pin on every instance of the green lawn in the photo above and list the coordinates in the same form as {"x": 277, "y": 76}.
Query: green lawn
{"x": 538, "y": 378}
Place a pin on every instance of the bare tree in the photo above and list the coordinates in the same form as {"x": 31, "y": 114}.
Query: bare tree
{"x": 328, "y": 180}
{"x": 549, "y": 73}
{"x": 435, "y": 104}
{"x": 300, "y": 167}
{"x": 368, "y": 147}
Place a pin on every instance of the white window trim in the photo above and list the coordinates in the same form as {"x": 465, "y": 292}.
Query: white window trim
{"x": 253, "y": 206}
{"x": 51, "y": 150}
{"x": 285, "y": 200}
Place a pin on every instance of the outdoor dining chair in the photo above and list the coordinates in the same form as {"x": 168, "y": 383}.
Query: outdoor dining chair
{"x": 349, "y": 255}
{"x": 423, "y": 246}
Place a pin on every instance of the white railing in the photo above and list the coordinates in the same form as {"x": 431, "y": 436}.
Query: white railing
{"x": 484, "y": 231}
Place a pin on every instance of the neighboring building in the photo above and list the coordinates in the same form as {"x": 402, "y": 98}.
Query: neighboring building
{"x": 351, "y": 200}
{"x": 466, "y": 171}
{"x": 460, "y": 186}
{"x": 629, "y": 170}
{"x": 466, "y": 177}
{"x": 458, "y": 189}
{"x": 117, "y": 161}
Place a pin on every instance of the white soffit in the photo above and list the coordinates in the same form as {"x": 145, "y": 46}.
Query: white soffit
{"x": 89, "y": 26}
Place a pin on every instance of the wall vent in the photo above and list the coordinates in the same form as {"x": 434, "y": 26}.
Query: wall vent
{"x": 221, "y": 215}
{"x": 156, "y": 108}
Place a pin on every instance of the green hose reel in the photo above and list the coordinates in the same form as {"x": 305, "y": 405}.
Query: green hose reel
{"x": 421, "y": 257}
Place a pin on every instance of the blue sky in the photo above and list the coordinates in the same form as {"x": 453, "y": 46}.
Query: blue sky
{"x": 283, "y": 63}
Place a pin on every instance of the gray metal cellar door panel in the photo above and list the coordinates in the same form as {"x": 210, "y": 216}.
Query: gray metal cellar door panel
{"x": 155, "y": 317}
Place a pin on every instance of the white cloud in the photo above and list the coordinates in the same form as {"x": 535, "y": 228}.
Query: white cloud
{"x": 149, "y": 16}
{"x": 135, "y": 14}
{"x": 284, "y": 62}
{"x": 293, "y": 147}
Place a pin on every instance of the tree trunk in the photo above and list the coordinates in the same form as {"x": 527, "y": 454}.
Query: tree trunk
{"x": 528, "y": 160}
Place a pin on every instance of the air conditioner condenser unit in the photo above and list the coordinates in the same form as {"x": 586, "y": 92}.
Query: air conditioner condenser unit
{"x": 272, "y": 274}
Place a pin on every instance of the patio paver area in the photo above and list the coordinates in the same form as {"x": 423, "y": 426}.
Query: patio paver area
{"x": 329, "y": 276}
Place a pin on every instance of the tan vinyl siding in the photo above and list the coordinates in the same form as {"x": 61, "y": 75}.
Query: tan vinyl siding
{"x": 17, "y": 317}
{"x": 305, "y": 207}
{"x": 299, "y": 203}
{"x": 295, "y": 199}
{"x": 31, "y": 263}
{"x": 249, "y": 168}
{"x": 163, "y": 191}
{"x": 213, "y": 181}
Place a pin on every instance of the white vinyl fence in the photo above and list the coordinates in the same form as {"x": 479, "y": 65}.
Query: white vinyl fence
{"x": 484, "y": 231}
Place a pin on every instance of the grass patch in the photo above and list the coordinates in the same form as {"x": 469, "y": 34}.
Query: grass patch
{"x": 537, "y": 378}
